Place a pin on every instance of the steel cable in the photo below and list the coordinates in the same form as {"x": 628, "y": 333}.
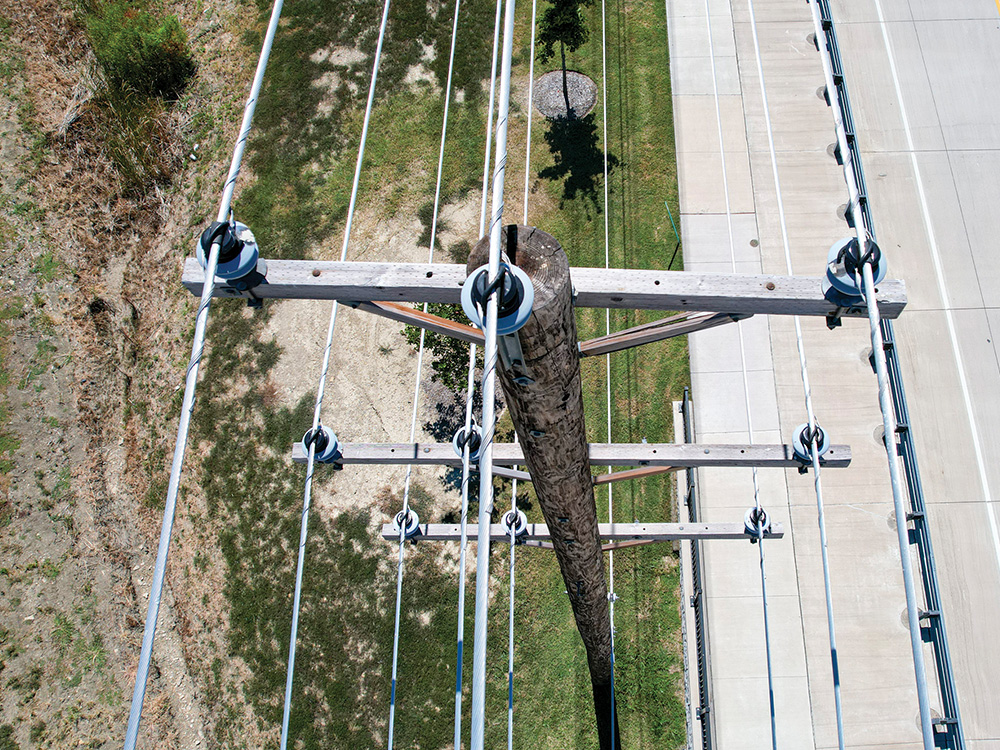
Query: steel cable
{"x": 190, "y": 385}
{"x": 612, "y": 597}
{"x": 488, "y": 423}
{"x": 758, "y": 515}
{"x": 814, "y": 444}
{"x": 866, "y": 284}
{"x": 416, "y": 388}
{"x": 311, "y": 458}
{"x": 466, "y": 457}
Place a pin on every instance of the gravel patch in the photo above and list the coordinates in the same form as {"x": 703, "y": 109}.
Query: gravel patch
{"x": 552, "y": 91}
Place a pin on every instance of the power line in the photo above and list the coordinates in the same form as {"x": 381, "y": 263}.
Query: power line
{"x": 814, "y": 435}
{"x": 463, "y": 545}
{"x": 488, "y": 423}
{"x": 470, "y": 388}
{"x": 531, "y": 89}
{"x": 405, "y": 515}
{"x": 757, "y": 514}
{"x": 612, "y": 597}
{"x": 885, "y": 402}
{"x": 190, "y": 385}
{"x": 311, "y": 460}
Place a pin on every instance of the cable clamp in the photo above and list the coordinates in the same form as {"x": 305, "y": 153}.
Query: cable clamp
{"x": 757, "y": 523}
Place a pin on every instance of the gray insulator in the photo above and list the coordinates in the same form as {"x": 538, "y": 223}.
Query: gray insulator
{"x": 516, "y": 299}
{"x": 327, "y": 445}
{"x": 841, "y": 279}
{"x": 802, "y": 446}
{"x": 750, "y": 522}
{"x": 408, "y": 519}
{"x": 475, "y": 442}
{"x": 520, "y": 522}
{"x": 245, "y": 269}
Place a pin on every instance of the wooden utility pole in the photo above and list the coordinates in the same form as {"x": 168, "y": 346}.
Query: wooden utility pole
{"x": 548, "y": 417}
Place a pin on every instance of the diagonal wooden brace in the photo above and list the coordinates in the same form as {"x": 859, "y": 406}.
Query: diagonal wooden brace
{"x": 676, "y": 325}
{"x": 420, "y": 319}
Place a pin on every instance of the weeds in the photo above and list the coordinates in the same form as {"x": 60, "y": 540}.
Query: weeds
{"x": 47, "y": 266}
{"x": 144, "y": 59}
{"x": 28, "y": 684}
{"x": 138, "y": 51}
{"x": 7, "y": 741}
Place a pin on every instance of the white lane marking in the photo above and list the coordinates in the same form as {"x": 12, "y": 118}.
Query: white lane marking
{"x": 939, "y": 272}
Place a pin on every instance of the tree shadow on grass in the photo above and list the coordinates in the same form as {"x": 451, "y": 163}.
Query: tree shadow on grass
{"x": 579, "y": 161}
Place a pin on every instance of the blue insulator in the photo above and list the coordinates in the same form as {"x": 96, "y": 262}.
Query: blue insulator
{"x": 239, "y": 259}
{"x": 802, "y": 442}
{"x": 327, "y": 445}
{"x": 516, "y": 295}
{"x": 408, "y": 520}
{"x": 842, "y": 271}
{"x": 519, "y": 520}
{"x": 475, "y": 441}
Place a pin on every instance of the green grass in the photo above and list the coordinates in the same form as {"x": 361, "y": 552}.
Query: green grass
{"x": 9, "y": 440}
{"x": 552, "y": 689}
{"x": 303, "y": 165}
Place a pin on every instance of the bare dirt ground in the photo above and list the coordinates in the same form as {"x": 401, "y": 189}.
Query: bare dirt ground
{"x": 96, "y": 336}
{"x": 90, "y": 344}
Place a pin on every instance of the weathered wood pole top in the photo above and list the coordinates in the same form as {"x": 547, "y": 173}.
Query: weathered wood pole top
{"x": 548, "y": 417}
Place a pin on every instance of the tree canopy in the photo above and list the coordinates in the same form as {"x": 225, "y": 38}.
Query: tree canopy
{"x": 562, "y": 23}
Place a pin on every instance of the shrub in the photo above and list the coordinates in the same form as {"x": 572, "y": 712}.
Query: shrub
{"x": 134, "y": 135}
{"x": 138, "y": 51}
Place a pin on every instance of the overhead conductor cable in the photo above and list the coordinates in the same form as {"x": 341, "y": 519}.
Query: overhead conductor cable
{"x": 513, "y": 491}
{"x": 190, "y": 385}
{"x": 866, "y": 284}
{"x": 311, "y": 458}
{"x": 612, "y": 596}
{"x": 404, "y": 516}
{"x": 466, "y": 453}
{"x": 757, "y": 515}
{"x": 813, "y": 441}
{"x": 489, "y": 394}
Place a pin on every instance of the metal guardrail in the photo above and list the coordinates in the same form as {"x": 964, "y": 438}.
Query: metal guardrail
{"x": 948, "y": 728}
{"x": 697, "y": 602}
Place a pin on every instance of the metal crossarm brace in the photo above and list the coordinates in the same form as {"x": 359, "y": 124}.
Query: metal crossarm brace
{"x": 674, "y": 455}
{"x": 742, "y": 294}
{"x": 676, "y": 325}
{"x": 613, "y": 532}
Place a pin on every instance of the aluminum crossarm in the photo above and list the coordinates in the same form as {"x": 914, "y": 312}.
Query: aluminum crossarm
{"x": 676, "y": 455}
{"x": 743, "y": 294}
{"x": 613, "y": 532}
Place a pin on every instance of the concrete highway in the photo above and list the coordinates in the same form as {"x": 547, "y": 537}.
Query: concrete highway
{"x": 923, "y": 77}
